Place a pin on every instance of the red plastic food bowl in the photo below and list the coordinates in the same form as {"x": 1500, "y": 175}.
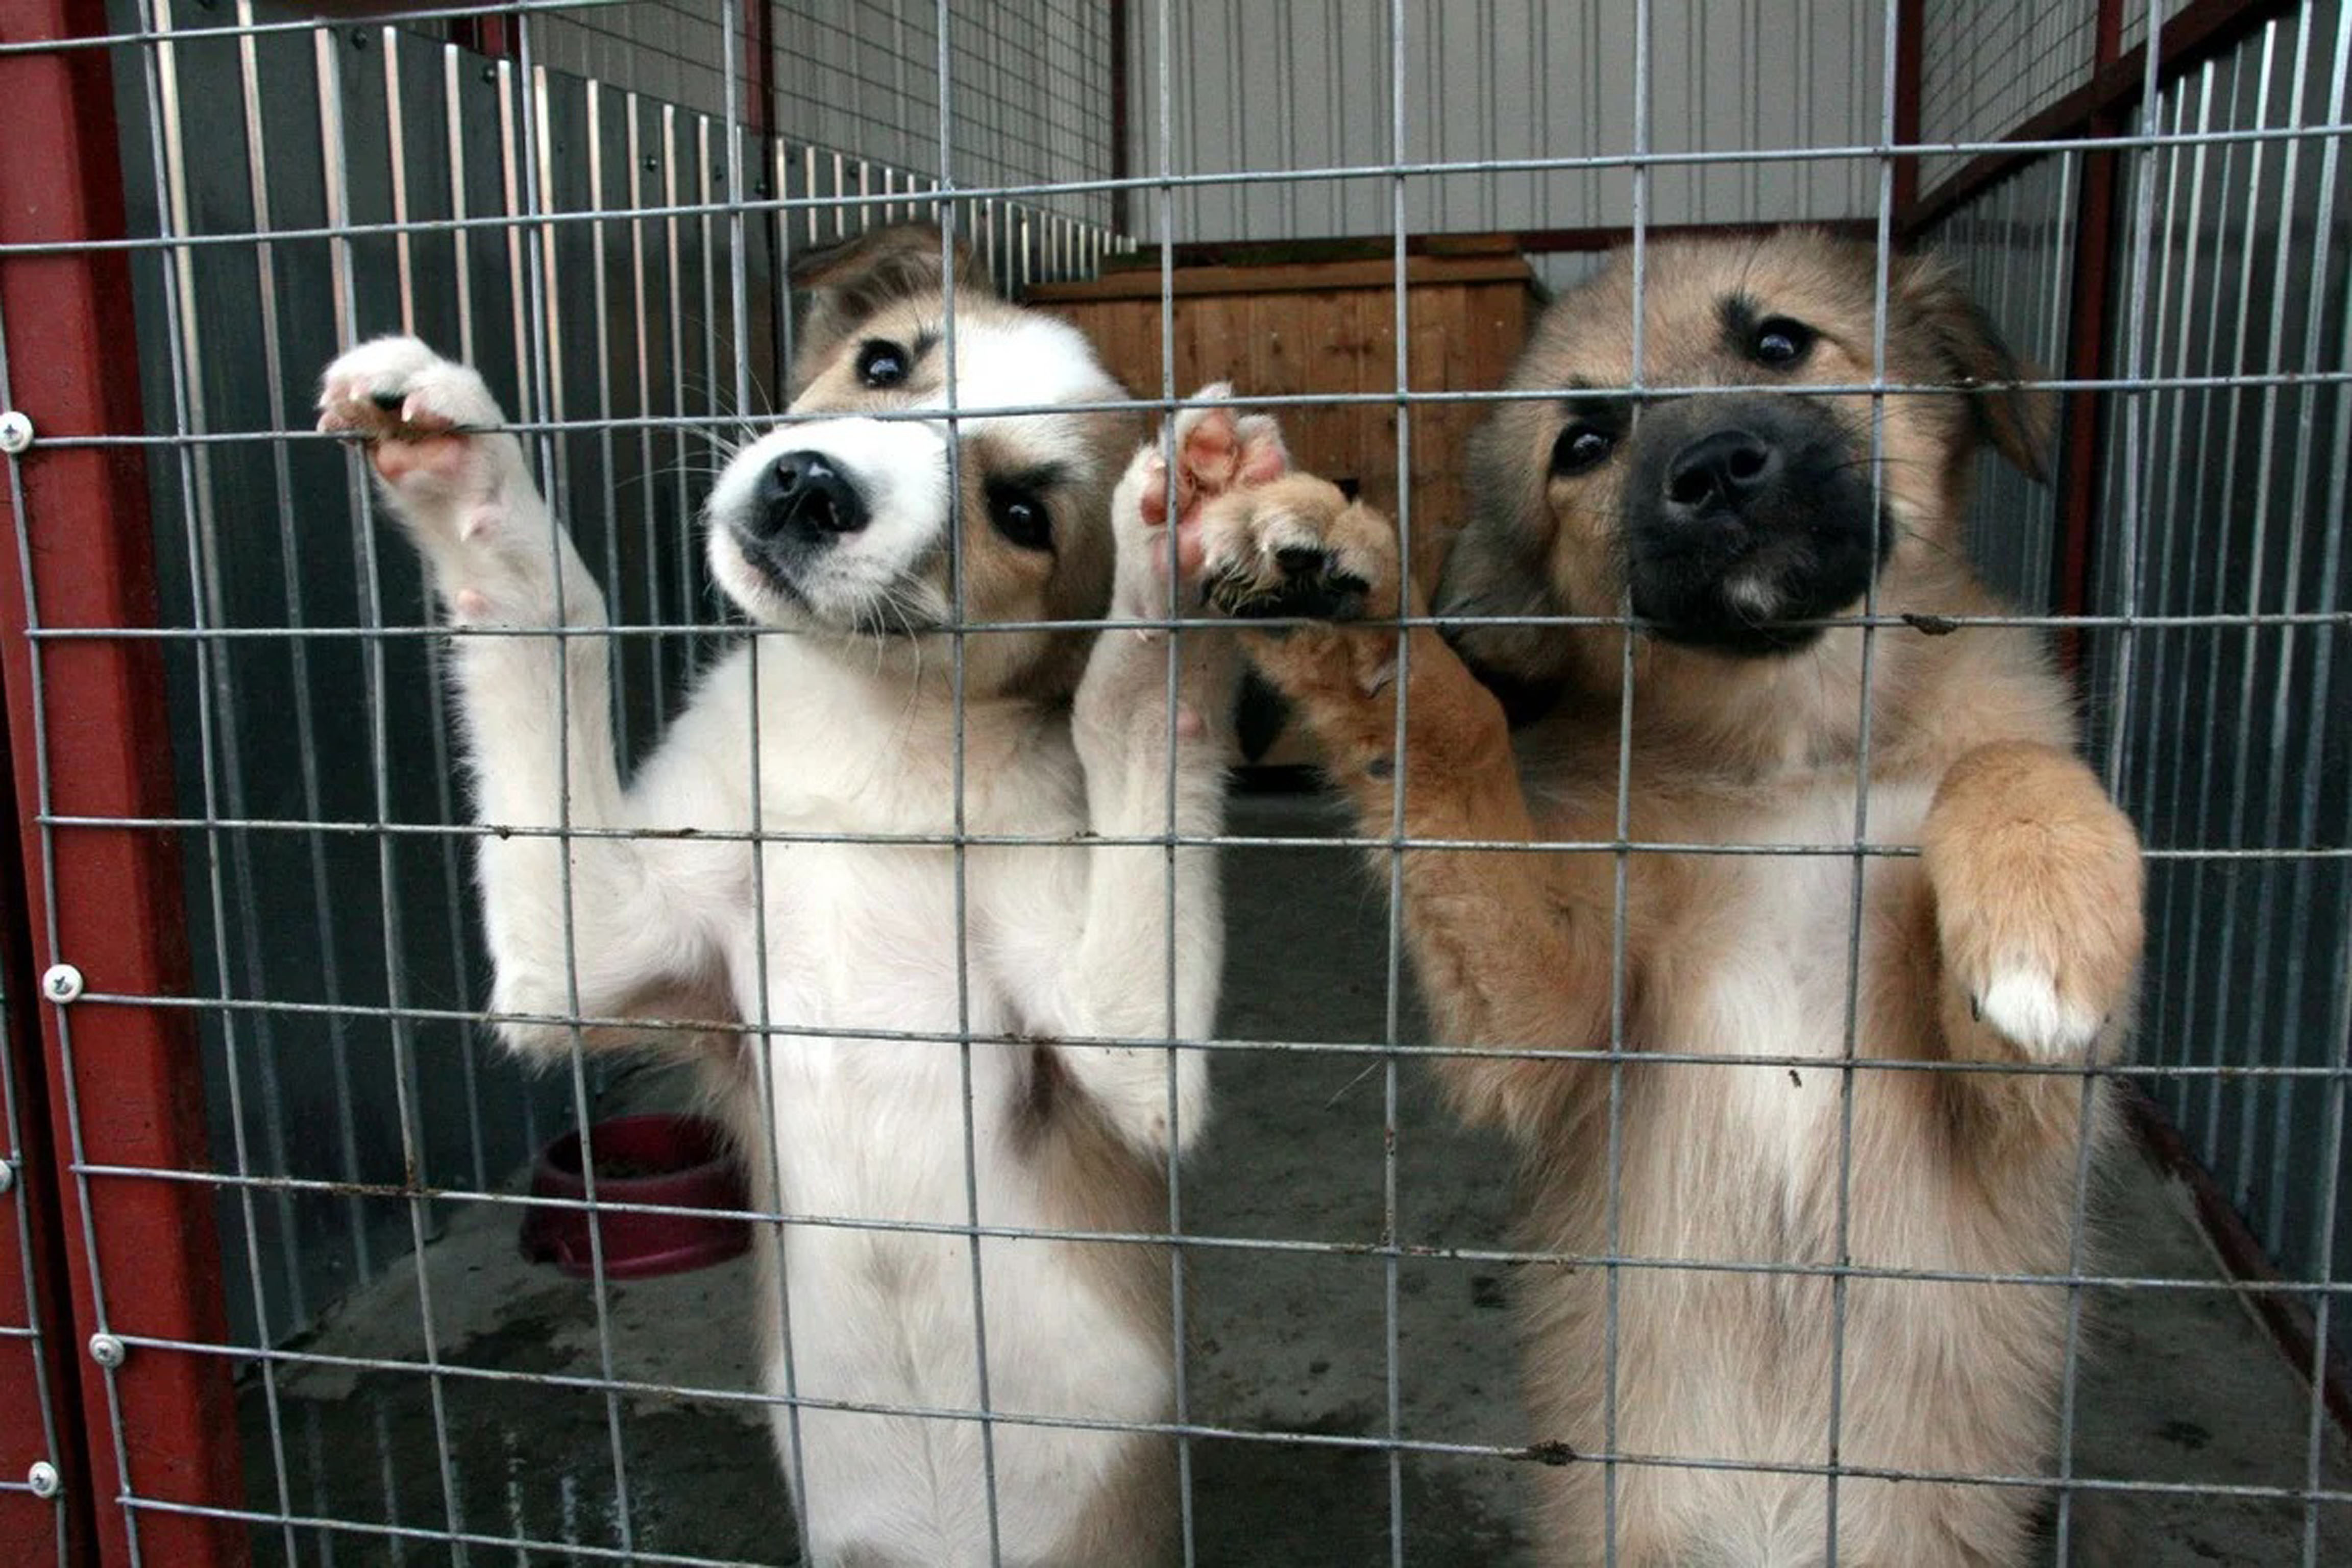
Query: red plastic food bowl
{"x": 678, "y": 1162}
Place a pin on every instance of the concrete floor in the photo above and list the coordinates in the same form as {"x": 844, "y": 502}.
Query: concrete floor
{"x": 2177, "y": 1386}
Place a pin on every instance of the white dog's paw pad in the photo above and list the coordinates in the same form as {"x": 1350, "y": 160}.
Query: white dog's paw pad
{"x": 2022, "y": 1003}
{"x": 392, "y": 389}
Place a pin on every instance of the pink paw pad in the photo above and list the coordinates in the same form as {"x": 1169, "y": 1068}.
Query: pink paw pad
{"x": 1218, "y": 453}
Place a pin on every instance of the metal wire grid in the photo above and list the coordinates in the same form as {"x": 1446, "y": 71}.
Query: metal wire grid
{"x": 864, "y": 75}
{"x": 2243, "y": 735}
{"x": 529, "y": 140}
{"x": 1988, "y": 67}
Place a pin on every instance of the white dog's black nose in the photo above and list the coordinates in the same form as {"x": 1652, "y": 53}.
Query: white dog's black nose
{"x": 1722, "y": 471}
{"x": 805, "y": 493}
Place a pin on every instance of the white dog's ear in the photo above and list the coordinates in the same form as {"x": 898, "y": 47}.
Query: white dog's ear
{"x": 847, "y": 281}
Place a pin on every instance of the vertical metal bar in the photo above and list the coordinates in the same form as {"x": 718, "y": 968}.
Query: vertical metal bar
{"x": 641, "y": 163}
{"x": 1891, "y": 44}
{"x": 2287, "y": 261}
{"x": 1613, "y": 1207}
{"x": 122, "y": 1083}
{"x": 542, "y": 381}
{"x": 2131, "y": 519}
{"x": 396, "y": 140}
{"x": 2323, "y": 1250}
{"x": 683, "y": 492}
{"x": 273, "y": 360}
{"x": 336, "y": 170}
{"x": 763, "y": 1045}
{"x": 216, "y": 738}
{"x": 1165, "y": 193}
{"x": 958, "y": 672}
{"x": 1392, "y": 1008}
{"x": 600, "y": 301}
{"x": 2246, "y": 292}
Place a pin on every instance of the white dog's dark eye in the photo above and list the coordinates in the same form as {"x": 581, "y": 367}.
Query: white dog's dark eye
{"x": 1581, "y": 447}
{"x": 1781, "y": 342}
{"x": 881, "y": 363}
{"x": 1021, "y": 517}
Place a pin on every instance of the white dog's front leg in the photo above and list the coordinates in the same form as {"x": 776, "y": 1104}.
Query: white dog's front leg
{"x": 535, "y": 706}
{"x": 1133, "y": 745}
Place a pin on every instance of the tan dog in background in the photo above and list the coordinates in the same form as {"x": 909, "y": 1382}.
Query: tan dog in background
{"x": 2011, "y": 939}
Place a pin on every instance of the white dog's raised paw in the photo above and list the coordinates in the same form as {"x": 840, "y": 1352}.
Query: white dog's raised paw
{"x": 415, "y": 409}
{"x": 1218, "y": 452}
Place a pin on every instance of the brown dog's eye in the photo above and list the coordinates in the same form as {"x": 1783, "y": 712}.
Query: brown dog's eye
{"x": 1580, "y": 448}
{"x": 881, "y": 363}
{"x": 1020, "y": 516}
{"x": 1781, "y": 342}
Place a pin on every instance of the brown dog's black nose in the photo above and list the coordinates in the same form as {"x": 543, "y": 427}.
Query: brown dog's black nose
{"x": 1722, "y": 470}
{"x": 804, "y": 492}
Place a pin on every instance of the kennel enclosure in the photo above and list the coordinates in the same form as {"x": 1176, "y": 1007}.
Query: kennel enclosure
{"x": 259, "y": 1295}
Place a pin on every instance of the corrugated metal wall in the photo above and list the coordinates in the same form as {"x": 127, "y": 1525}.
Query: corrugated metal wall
{"x": 2230, "y": 500}
{"x": 1029, "y": 80}
{"x": 1271, "y": 85}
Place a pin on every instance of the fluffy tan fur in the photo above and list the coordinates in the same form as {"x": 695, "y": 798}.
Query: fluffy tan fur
{"x": 2027, "y": 887}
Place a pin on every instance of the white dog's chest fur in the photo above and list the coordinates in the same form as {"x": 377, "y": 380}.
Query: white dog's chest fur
{"x": 863, "y": 937}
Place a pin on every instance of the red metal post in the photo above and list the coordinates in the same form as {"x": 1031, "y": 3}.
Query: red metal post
{"x": 99, "y": 722}
{"x": 2093, "y": 289}
{"x": 1122, "y": 152}
{"x": 759, "y": 72}
{"x": 40, "y": 1399}
{"x": 1910, "y": 60}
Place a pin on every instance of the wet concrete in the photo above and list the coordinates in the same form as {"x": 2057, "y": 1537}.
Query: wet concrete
{"x": 2177, "y": 1386}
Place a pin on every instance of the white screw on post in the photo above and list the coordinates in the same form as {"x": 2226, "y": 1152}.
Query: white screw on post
{"x": 16, "y": 432}
{"x": 43, "y": 1478}
{"x": 62, "y": 983}
{"x": 106, "y": 1350}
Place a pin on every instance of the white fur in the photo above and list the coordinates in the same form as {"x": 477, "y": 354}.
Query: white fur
{"x": 1779, "y": 983}
{"x": 2022, "y": 1001}
{"x": 857, "y": 937}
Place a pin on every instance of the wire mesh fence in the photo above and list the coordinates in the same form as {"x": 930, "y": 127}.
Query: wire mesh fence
{"x": 599, "y": 206}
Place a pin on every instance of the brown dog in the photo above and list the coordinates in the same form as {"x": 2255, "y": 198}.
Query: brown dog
{"x": 2009, "y": 941}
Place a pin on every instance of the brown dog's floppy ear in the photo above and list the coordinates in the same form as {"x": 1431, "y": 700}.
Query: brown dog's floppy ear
{"x": 2020, "y": 421}
{"x": 850, "y": 279}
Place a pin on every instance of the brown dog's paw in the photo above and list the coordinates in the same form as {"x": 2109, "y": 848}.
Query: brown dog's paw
{"x": 2038, "y": 887}
{"x": 1296, "y": 548}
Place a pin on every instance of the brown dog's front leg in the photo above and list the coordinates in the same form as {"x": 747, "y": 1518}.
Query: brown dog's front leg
{"x": 2038, "y": 886}
{"x": 1511, "y": 946}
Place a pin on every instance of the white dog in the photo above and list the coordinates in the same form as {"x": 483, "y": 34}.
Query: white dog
{"x": 837, "y": 528}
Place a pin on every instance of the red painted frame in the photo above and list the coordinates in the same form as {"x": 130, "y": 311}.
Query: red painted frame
{"x": 119, "y": 915}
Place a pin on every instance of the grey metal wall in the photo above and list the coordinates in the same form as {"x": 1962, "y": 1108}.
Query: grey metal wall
{"x": 1271, "y": 85}
{"x": 310, "y": 712}
{"x": 2229, "y": 499}
{"x": 2222, "y": 725}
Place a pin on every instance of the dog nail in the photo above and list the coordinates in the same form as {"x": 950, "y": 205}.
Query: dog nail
{"x": 1976, "y": 1008}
